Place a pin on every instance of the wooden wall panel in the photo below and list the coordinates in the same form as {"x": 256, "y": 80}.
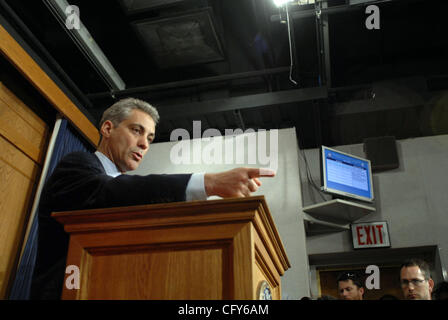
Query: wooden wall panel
{"x": 21, "y": 127}
{"x": 18, "y": 175}
{"x": 22, "y": 110}
{"x": 23, "y": 139}
{"x": 23, "y": 62}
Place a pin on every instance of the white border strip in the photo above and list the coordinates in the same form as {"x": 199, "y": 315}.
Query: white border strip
{"x": 40, "y": 186}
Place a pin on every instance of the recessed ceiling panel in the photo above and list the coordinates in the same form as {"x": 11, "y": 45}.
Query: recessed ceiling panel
{"x": 182, "y": 40}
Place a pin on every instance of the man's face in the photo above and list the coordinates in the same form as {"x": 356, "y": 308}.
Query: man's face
{"x": 349, "y": 291}
{"x": 414, "y": 284}
{"x": 128, "y": 142}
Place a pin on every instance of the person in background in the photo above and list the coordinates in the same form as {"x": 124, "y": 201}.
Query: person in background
{"x": 350, "y": 286}
{"x": 415, "y": 280}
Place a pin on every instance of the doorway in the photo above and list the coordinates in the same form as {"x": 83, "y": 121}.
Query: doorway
{"x": 326, "y": 267}
{"x": 388, "y": 279}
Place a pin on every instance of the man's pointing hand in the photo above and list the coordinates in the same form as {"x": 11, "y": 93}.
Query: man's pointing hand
{"x": 239, "y": 182}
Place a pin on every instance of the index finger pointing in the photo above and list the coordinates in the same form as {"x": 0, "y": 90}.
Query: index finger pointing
{"x": 261, "y": 172}
{"x": 266, "y": 172}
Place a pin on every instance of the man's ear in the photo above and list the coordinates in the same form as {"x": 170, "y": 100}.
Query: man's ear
{"x": 361, "y": 290}
{"x": 431, "y": 285}
{"x": 106, "y": 128}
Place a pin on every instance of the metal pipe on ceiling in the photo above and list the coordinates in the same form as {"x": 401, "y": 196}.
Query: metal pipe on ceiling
{"x": 190, "y": 82}
{"x": 87, "y": 45}
{"x": 353, "y": 5}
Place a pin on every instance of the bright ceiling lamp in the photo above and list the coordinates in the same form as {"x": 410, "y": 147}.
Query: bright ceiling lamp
{"x": 280, "y": 3}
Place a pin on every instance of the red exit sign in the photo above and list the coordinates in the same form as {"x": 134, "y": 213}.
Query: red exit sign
{"x": 370, "y": 235}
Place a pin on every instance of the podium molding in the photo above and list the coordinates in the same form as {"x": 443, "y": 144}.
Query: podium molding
{"x": 216, "y": 249}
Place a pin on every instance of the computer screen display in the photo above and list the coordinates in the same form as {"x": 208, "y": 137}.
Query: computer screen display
{"x": 346, "y": 175}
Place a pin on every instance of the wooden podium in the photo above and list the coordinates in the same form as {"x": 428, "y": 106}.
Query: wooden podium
{"x": 216, "y": 249}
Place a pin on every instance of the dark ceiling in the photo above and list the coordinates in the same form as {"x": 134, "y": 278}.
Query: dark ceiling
{"x": 227, "y": 63}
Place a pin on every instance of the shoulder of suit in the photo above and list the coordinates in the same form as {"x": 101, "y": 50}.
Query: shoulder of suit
{"x": 77, "y": 155}
{"x": 81, "y": 158}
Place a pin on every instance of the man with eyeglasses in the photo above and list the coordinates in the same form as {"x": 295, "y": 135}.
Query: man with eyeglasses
{"x": 350, "y": 286}
{"x": 415, "y": 279}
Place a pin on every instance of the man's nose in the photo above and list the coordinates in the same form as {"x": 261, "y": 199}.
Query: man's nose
{"x": 143, "y": 143}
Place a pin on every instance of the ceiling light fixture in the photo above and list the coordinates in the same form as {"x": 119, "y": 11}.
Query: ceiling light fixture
{"x": 280, "y": 3}
{"x": 305, "y": 2}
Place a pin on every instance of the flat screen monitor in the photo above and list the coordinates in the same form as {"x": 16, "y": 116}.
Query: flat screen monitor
{"x": 346, "y": 176}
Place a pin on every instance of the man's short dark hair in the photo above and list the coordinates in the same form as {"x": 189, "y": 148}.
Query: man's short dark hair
{"x": 350, "y": 275}
{"x": 415, "y": 262}
{"x": 121, "y": 110}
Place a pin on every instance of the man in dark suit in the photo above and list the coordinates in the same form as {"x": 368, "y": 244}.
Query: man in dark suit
{"x": 84, "y": 181}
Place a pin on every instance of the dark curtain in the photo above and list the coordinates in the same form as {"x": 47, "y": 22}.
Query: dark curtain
{"x": 68, "y": 140}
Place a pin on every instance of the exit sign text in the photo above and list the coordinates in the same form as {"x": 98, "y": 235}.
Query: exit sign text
{"x": 370, "y": 235}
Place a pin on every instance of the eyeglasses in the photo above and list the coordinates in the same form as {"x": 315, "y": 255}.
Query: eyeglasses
{"x": 415, "y": 282}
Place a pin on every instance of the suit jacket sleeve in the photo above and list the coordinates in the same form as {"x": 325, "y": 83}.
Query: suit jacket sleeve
{"x": 80, "y": 182}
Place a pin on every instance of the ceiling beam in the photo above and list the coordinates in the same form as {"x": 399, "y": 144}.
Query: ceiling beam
{"x": 189, "y": 82}
{"x": 131, "y": 7}
{"x": 388, "y": 95}
{"x": 243, "y": 102}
